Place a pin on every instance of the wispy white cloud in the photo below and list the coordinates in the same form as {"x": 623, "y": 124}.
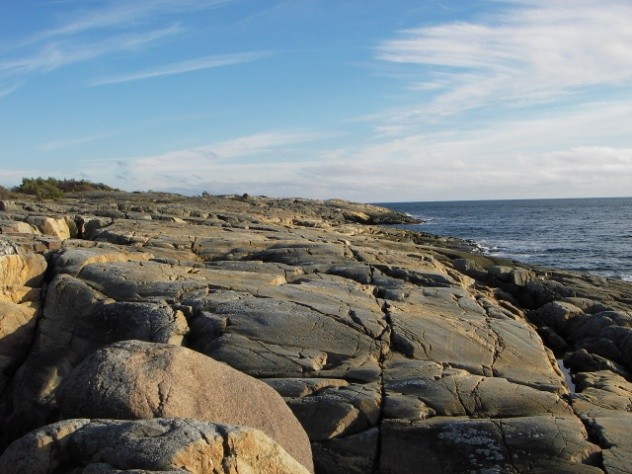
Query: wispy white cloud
{"x": 115, "y": 14}
{"x": 54, "y": 55}
{"x": 199, "y": 168}
{"x": 93, "y": 31}
{"x": 529, "y": 53}
{"x": 519, "y": 158}
{"x": 580, "y": 151}
{"x": 7, "y": 89}
{"x": 182, "y": 67}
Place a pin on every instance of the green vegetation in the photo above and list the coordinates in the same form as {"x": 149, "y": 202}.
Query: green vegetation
{"x": 5, "y": 193}
{"x": 51, "y": 188}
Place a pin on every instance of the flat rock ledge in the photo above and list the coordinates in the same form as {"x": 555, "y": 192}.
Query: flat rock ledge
{"x": 152, "y": 332}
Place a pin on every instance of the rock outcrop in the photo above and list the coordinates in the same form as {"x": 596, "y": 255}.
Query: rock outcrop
{"x": 396, "y": 351}
{"x": 132, "y": 380}
{"x": 147, "y": 446}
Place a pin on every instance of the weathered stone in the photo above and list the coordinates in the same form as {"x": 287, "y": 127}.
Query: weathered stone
{"x": 274, "y": 337}
{"x": 157, "y": 445}
{"x": 514, "y": 275}
{"x": 8, "y": 206}
{"x": 9, "y": 227}
{"x": 379, "y": 339}
{"x": 454, "y": 392}
{"x": 20, "y": 277}
{"x": 135, "y": 380}
{"x": 511, "y": 445}
{"x": 73, "y": 260}
{"x": 88, "y": 225}
{"x": 474, "y": 342}
{"x": 470, "y": 267}
{"x": 613, "y": 433}
{"x": 76, "y": 321}
{"x": 7, "y": 247}
{"x": 354, "y": 454}
{"x": 55, "y": 226}
{"x": 556, "y": 315}
{"x": 583, "y": 361}
{"x": 17, "y": 327}
{"x": 331, "y": 408}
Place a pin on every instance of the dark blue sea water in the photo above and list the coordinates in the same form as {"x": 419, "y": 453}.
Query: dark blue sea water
{"x": 586, "y": 235}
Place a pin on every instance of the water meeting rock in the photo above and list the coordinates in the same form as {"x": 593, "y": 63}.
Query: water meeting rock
{"x": 376, "y": 349}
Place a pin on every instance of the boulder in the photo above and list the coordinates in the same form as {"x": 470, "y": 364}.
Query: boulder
{"x": 137, "y": 380}
{"x": 556, "y": 315}
{"x": 147, "y": 446}
{"x": 77, "y": 320}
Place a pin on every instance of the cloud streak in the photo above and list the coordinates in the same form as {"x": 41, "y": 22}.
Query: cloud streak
{"x": 55, "y": 55}
{"x": 195, "y": 169}
{"x": 527, "y": 158}
{"x": 182, "y": 67}
{"x": 530, "y": 53}
{"x": 86, "y": 35}
{"x": 116, "y": 14}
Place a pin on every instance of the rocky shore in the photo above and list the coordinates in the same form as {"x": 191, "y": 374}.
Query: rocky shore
{"x": 156, "y": 333}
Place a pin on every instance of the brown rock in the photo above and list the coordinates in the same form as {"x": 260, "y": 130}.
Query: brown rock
{"x": 157, "y": 445}
{"x": 19, "y": 275}
{"x": 136, "y": 380}
{"x": 17, "y": 325}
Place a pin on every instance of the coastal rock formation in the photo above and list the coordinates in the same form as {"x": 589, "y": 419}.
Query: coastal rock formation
{"x": 147, "y": 446}
{"x": 396, "y": 351}
{"x": 135, "y": 380}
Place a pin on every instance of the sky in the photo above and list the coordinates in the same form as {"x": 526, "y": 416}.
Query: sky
{"x": 367, "y": 100}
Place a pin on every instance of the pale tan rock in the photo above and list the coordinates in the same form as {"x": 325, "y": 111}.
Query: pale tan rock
{"x": 157, "y": 445}
{"x": 445, "y": 391}
{"x": 54, "y": 226}
{"x": 17, "y": 326}
{"x": 19, "y": 276}
{"x": 73, "y": 260}
{"x": 17, "y": 227}
{"x": 135, "y": 380}
{"x": 76, "y": 320}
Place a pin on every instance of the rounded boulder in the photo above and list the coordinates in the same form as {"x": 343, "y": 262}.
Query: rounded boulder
{"x": 140, "y": 380}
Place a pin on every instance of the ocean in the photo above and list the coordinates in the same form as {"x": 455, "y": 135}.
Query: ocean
{"x": 585, "y": 235}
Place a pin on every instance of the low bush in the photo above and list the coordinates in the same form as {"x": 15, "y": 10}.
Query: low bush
{"x": 51, "y": 188}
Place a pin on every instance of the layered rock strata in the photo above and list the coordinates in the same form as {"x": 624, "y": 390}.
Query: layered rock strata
{"x": 396, "y": 351}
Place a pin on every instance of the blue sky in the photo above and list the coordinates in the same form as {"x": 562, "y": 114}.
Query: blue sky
{"x": 364, "y": 100}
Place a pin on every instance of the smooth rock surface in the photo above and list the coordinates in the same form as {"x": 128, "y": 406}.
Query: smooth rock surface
{"x": 137, "y": 380}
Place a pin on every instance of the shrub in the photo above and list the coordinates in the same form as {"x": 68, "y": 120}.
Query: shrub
{"x": 51, "y": 188}
{"x": 5, "y": 193}
{"x": 74, "y": 186}
{"x": 40, "y": 187}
